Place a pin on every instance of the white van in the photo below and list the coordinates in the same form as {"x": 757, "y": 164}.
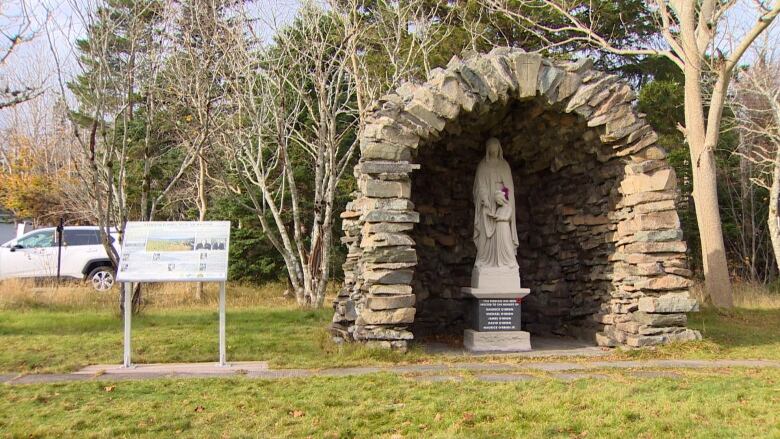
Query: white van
{"x": 34, "y": 255}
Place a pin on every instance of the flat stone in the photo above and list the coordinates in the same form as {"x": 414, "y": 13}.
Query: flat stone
{"x": 645, "y": 166}
{"x": 389, "y": 277}
{"x": 496, "y": 341}
{"x": 381, "y": 167}
{"x": 381, "y": 333}
{"x": 526, "y": 69}
{"x": 425, "y": 115}
{"x": 657, "y": 221}
{"x": 391, "y": 133}
{"x": 384, "y": 151}
{"x": 668, "y": 303}
{"x": 385, "y": 189}
{"x": 453, "y": 89}
{"x": 369, "y": 228}
{"x": 668, "y": 282}
{"x": 396, "y": 345}
{"x": 365, "y": 204}
{"x": 386, "y": 240}
{"x": 389, "y": 302}
{"x": 655, "y": 206}
{"x": 430, "y": 98}
{"x": 391, "y": 216}
{"x": 648, "y": 197}
{"x": 658, "y": 181}
{"x": 389, "y": 255}
{"x": 680, "y": 335}
{"x": 658, "y": 235}
{"x": 660, "y": 320}
{"x": 386, "y": 317}
{"x": 548, "y": 79}
{"x": 604, "y": 340}
{"x": 390, "y": 290}
{"x": 480, "y": 75}
{"x": 656, "y": 247}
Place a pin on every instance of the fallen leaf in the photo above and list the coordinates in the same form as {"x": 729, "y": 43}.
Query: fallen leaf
{"x": 109, "y": 388}
{"x": 297, "y": 413}
{"x": 199, "y": 409}
{"x": 468, "y": 417}
{"x": 437, "y": 417}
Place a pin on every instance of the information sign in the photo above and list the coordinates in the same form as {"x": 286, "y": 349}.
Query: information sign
{"x": 179, "y": 251}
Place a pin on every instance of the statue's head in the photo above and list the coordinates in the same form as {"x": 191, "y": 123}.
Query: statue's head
{"x": 493, "y": 148}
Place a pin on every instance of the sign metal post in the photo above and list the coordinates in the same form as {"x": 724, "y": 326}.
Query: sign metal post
{"x": 159, "y": 251}
{"x": 222, "y": 341}
{"x": 128, "y": 296}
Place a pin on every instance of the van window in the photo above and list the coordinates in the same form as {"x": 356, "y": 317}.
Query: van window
{"x": 81, "y": 237}
{"x": 38, "y": 240}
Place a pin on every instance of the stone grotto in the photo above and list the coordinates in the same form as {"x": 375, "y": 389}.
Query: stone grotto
{"x": 600, "y": 243}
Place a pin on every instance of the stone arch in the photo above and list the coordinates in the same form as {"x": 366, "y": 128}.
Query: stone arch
{"x": 604, "y": 248}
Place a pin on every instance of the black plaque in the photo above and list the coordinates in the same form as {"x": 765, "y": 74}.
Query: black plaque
{"x": 496, "y": 314}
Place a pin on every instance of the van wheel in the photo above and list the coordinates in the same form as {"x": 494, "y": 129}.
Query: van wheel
{"x": 102, "y": 278}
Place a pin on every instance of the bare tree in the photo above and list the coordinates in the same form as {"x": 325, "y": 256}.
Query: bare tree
{"x": 17, "y": 29}
{"x": 756, "y": 101}
{"x": 117, "y": 54}
{"x": 194, "y": 88}
{"x": 690, "y": 31}
{"x": 403, "y": 35}
{"x": 294, "y": 115}
{"x": 299, "y": 107}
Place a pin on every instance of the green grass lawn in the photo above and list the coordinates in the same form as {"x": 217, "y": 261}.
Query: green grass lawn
{"x": 57, "y": 334}
{"x": 712, "y": 404}
{"x": 43, "y": 340}
{"x": 50, "y": 341}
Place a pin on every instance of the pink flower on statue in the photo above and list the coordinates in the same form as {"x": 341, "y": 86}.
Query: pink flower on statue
{"x": 505, "y": 190}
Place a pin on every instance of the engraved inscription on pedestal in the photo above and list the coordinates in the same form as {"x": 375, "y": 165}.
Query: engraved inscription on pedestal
{"x": 496, "y": 315}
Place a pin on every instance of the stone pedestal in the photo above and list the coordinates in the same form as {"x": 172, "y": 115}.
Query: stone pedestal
{"x": 495, "y": 320}
{"x": 496, "y": 341}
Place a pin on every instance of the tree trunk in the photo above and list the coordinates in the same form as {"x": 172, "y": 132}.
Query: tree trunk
{"x": 136, "y": 301}
{"x": 772, "y": 220}
{"x": 705, "y": 192}
{"x": 202, "y": 206}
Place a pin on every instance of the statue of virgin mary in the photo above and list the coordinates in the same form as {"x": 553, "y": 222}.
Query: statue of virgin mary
{"x": 495, "y": 226}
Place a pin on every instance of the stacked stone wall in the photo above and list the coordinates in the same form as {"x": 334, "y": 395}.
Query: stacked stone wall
{"x": 601, "y": 245}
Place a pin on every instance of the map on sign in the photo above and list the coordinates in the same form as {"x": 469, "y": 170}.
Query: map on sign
{"x": 157, "y": 251}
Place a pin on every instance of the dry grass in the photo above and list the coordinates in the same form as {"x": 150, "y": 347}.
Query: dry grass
{"x": 746, "y": 295}
{"x": 16, "y": 294}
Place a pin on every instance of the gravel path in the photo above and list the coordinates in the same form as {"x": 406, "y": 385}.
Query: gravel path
{"x": 489, "y": 372}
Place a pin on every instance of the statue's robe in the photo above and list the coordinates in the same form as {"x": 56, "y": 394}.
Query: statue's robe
{"x": 496, "y": 240}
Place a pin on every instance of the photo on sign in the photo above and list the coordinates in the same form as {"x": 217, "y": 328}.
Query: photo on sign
{"x": 208, "y": 243}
